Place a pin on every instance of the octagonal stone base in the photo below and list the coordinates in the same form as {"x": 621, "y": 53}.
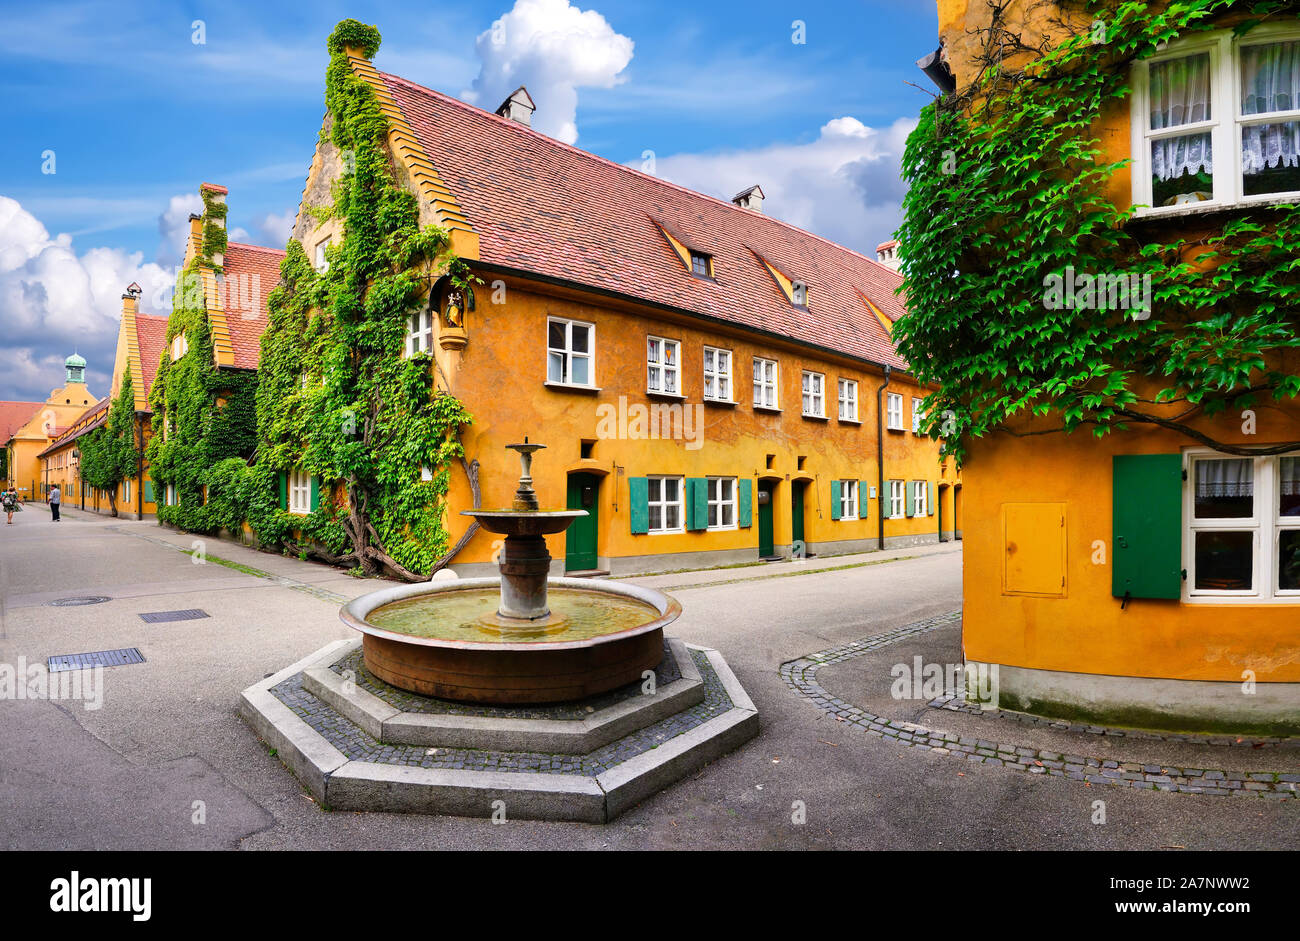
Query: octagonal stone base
{"x": 359, "y": 744}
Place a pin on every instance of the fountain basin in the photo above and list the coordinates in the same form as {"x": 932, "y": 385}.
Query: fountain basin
{"x": 615, "y": 635}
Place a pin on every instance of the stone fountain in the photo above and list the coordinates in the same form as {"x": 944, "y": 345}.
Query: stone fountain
{"x": 522, "y": 638}
{"x": 536, "y": 697}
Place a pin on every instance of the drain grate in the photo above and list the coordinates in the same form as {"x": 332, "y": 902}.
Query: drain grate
{"x": 77, "y": 602}
{"x": 186, "y": 614}
{"x": 100, "y": 658}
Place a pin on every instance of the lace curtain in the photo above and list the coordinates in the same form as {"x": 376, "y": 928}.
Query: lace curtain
{"x": 1270, "y": 81}
{"x": 1290, "y": 473}
{"x": 1225, "y": 478}
{"x": 1180, "y": 94}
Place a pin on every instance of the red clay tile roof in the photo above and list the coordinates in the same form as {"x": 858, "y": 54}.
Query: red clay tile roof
{"x": 251, "y": 272}
{"x": 13, "y": 415}
{"x": 94, "y": 417}
{"x": 151, "y": 332}
{"x": 544, "y": 207}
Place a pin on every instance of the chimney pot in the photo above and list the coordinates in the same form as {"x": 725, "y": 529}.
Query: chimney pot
{"x": 751, "y": 198}
{"x": 518, "y": 107}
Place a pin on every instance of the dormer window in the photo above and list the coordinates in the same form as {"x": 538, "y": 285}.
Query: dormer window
{"x": 799, "y": 294}
{"x": 701, "y": 264}
{"x": 180, "y": 346}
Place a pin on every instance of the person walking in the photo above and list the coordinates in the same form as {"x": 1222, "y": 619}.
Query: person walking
{"x": 9, "y": 502}
{"x": 55, "y": 498}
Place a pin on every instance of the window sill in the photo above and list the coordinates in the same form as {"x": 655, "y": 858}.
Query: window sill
{"x": 849, "y": 519}
{"x": 675, "y": 396}
{"x": 767, "y": 408}
{"x": 719, "y": 529}
{"x": 666, "y": 532}
{"x": 569, "y": 387}
{"x": 1211, "y": 208}
{"x": 729, "y": 403}
{"x": 850, "y": 421}
{"x": 815, "y": 417}
{"x": 899, "y": 430}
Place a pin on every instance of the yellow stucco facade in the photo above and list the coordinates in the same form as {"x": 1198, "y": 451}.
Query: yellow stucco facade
{"x": 61, "y": 409}
{"x": 1050, "y": 524}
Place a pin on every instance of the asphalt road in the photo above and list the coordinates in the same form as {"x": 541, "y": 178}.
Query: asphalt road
{"x": 167, "y": 763}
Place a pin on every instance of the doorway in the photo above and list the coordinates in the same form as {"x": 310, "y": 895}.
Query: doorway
{"x": 580, "y": 538}
{"x": 798, "y": 547}
{"x": 766, "y": 535}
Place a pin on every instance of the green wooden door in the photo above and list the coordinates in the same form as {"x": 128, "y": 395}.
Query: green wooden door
{"x": 797, "y": 489}
{"x": 766, "y": 543}
{"x": 580, "y": 538}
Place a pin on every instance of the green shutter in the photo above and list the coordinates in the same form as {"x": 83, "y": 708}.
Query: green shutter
{"x": 697, "y": 503}
{"x": 315, "y": 493}
{"x": 1147, "y": 526}
{"x": 864, "y": 501}
{"x": 909, "y": 501}
{"x": 929, "y": 501}
{"x": 638, "y": 499}
{"x": 746, "y": 500}
{"x": 835, "y": 499}
{"x": 284, "y": 490}
{"x": 148, "y": 491}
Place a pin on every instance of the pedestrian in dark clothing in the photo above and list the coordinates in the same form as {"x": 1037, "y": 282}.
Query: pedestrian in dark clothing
{"x": 55, "y": 498}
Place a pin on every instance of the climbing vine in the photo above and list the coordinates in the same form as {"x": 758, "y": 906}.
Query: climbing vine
{"x": 336, "y": 398}
{"x": 109, "y": 454}
{"x": 1008, "y": 190}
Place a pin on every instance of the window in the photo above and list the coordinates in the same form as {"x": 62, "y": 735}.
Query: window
{"x": 667, "y": 512}
{"x": 299, "y": 492}
{"x": 663, "y": 365}
{"x": 717, "y": 374}
{"x": 126, "y": 491}
{"x": 921, "y": 506}
{"x": 918, "y": 415}
{"x": 848, "y": 400}
{"x": 799, "y": 294}
{"x": 419, "y": 333}
{"x": 180, "y": 346}
{"x": 1216, "y": 120}
{"x": 814, "y": 397}
{"x": 569, "y": 348}
{"x": 701, "y": 264}
{"x": 722, "y": 503}
{"x": 848, "y": 499}
{"x": 894, "y": 421}
{"x": 171, "y": 495}
{"x": 764, "y": 383}
{"x": 1243, "y": 527}
{"x": 897, "y": 498}
{"x": 322, "y": 263}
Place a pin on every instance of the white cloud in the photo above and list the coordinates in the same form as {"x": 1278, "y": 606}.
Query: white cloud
{"x": 554, "y": 48}
{"x": 174, "y": 226}
{"x": 844, "y": 185}
{"x": 274, "y": 229}
{"x": 54, "y": 301}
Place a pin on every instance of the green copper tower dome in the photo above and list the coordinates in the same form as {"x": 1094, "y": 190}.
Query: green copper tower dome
{"x": 76, "y": 368}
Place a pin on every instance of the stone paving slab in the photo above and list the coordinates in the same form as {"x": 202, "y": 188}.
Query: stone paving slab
{"x": 801, "y": 676}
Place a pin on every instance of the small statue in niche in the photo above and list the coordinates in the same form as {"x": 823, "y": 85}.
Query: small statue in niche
{"x": 455, "y": 315}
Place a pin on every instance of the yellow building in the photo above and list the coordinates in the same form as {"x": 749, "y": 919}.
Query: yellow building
{"x": 41, "y": 425}
{"x": 713, "y": 385}
{"x": 140, "y": 343}
{"x": 1142, "y": 578}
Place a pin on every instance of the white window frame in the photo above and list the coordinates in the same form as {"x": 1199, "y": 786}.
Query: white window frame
{"x": 180, "y": 346}
{"x": 848, "y": 500}
{"x": 126, "y": 490}
{"x": 1224, "y": 126}
{"x": 720, "y": 375}
{"x": 1266, "y": 523}
{"x": 767, "y": 378}
{"x": 848, "y": 399}
{"x": 894, "y": 413}
{"x": 321, "y": 262}
{"x": 419, "y": 333}
{"x": 721, "y": 504}
{"x": 658, "y": 369}
{"x": 918, "y": 415}
{"x": 897, "y": 499}
{"x": 170, "y": 495}
{"x": 799, "y": 294}
{"x": 662, "y": 504}
{"x": 814, "y": 394}
{"x": 921, "y": 499}
{"x": 567, "y": 354}
{"x": 299, "y": 492}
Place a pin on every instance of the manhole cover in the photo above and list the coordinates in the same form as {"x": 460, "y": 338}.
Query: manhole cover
{"x": 75, "y": 602}
{"x": 186, "y": 614}
{"x": 100, "y": 658}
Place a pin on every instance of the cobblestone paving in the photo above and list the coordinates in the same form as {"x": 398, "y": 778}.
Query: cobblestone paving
{"x": 801, "y": 676}
{"x": 355, "y": 743}
{"x": 957, "y": 703}
{"x": 665, "y": 673}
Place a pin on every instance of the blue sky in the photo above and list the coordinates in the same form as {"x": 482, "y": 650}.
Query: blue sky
{"x": 137, "y": 114}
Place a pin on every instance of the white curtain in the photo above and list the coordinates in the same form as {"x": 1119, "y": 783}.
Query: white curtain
{"x": 1180, "y": 94}
{"x": 1270, "y": 82}
{"x": 1225, "y": 478}
{"x": 1290, "y": 474}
